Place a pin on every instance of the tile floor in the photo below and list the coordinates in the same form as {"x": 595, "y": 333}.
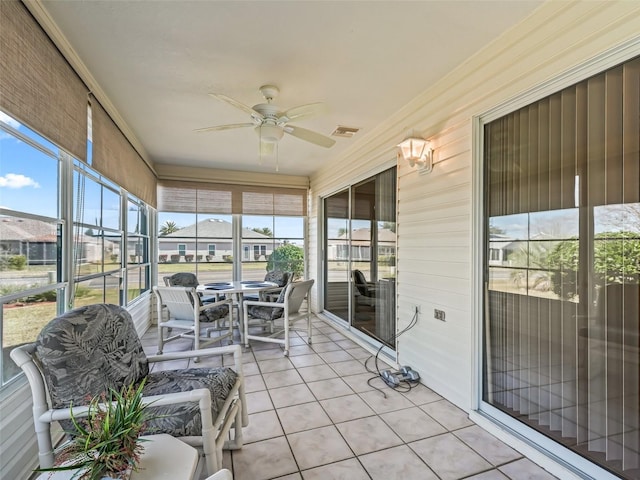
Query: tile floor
{"x": 319, "y": 414}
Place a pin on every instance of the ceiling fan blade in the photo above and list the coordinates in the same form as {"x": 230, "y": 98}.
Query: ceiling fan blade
{"x": 309, "y": 136}
{"x": 301, "y": 111}
{"x": 224, "y": 127}
{"x": 237, "y": 104}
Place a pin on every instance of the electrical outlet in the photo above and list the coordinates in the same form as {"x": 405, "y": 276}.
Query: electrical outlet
{"x": 439, "y": 314}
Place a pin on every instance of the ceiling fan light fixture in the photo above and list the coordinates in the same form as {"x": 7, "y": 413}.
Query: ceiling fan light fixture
{"x": 269, "y": 133}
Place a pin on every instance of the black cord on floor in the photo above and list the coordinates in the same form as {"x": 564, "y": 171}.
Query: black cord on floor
{"x": 404, "y": 384}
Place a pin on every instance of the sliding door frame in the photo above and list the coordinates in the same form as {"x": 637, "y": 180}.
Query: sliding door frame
{"x": 546, "y": 451}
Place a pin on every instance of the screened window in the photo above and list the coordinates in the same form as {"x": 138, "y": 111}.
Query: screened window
{"x": 30, "y": 237}
{"x": 230, "y": 231}
{"x": 108, "y": 244}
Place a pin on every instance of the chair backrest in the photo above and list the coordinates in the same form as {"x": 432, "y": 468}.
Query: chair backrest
{"x": 295, "y": 294}
{"x": 87, "y": 351}
{"x": 78, "y": 356}
{"x": 181, "y": 302}
{"x": 182, "y": 279}
{"x": 361, "y": 283}
{"x": 277, "y": 276}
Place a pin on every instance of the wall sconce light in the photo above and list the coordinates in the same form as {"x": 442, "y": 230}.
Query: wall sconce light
{"x": 417, "y": 151}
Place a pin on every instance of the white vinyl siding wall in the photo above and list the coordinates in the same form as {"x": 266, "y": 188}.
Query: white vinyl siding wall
{"x": 436, "y": 250}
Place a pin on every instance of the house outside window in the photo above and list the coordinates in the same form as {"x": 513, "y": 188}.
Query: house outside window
{"x": 259, "y": 251}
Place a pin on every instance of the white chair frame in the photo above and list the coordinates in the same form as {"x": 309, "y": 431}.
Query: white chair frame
{"x": 295, "y": 294}
{"x": 184, "y": 306}
{"x": 214, "y": 431}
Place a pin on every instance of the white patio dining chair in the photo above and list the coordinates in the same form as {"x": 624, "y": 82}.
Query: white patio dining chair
{"x": 181, "y": 308}
{"x": 273, "y": 321}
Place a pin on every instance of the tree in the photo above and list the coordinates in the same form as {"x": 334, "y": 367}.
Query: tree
{"x": 168, "y": 227}
{"x": 496, "y": 230}
{"x": 263, "y": 230}
{"x": 616, "y": 259}
{"x": 389, "y": 226}
{"x": 288, "y": 258}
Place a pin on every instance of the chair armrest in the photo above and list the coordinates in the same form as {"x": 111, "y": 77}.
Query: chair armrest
{"x": 223, "y": 474}
{"x": 263, "y": 304}
{"x": 269, "y": 292}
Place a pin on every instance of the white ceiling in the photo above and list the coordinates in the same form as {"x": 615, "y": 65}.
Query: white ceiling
{"x": 158, "y": 60}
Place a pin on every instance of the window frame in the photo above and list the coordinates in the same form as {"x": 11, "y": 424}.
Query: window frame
{"x": 496, "y": 420}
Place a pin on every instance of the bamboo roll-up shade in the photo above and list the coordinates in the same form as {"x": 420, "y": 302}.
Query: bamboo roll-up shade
{"x": 37, "y": 85}
{"x": 202, "y": 197}
{"x": 115, "y": 158}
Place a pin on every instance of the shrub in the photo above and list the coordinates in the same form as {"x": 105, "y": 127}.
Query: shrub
{"x": 288, "y": 258}
{"x": 188, "y": 258}
{"x": 17, "y": 262}
{"x": 162, "y": 258}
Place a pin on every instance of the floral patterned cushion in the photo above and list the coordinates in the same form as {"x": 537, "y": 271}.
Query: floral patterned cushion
{"x": 88, "y": 350}
{"x": 184, "y": 419}
{"x": 268, "y": 313}
{"x": 215, "y": 313}
{"x": 183, "y": 279}
{"x": 277, "y": 276}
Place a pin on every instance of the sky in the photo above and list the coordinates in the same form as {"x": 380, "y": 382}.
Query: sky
{"x": 27, "y": 176}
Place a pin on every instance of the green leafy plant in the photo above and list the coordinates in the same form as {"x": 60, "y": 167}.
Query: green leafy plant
{"x": 106, "y": 443}
{"x": 17, "y": 262}
{"x": 289, "y": 258}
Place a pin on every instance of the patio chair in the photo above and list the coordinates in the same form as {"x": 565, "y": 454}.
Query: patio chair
{"x": 278, "y": 317}
{"x": 188, "y": 279}
{"x": 88, "y": 350}
{"x": 182, "y": 308}
{"x": 364, "y": 289}
{"x": 282, "y": 279}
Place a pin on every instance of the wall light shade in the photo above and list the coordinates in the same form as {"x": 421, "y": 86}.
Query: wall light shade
{"x": 417, "y": 151}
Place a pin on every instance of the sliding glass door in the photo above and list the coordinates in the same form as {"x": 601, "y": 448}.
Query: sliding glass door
{"x": 562, "y": 267}
{"x": 360, "y": 246}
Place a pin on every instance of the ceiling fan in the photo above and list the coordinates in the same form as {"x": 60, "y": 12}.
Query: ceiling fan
{"x": 270, "y": 122}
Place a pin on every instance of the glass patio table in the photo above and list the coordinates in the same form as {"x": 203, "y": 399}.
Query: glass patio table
{"x": 237, "y": 290}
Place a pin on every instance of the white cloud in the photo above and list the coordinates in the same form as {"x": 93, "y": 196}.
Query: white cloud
{"x": 16, "y": 180}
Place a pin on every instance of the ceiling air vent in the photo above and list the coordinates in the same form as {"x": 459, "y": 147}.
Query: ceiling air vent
{"x": 342, "y": 131}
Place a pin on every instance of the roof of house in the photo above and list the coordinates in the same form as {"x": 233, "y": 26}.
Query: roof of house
{"x": 212, "y": 228}
{"x": 364, "y": 234}
{"x": 27, "y": 229}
